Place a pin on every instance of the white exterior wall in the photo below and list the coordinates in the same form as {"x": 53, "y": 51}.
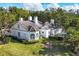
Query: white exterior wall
{"x": 59, "y": 31}
{"x": 24, "y": 35}
{"x": 52, "y": 32}
{"x": 36, "y": 35}
{"x": 45, "y": 33}
{"x": 56, "y": 32}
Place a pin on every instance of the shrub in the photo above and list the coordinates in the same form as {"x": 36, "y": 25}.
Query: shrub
{"x": 24, "y": 41}
{"x": 33, "y": 41}
{"x": 29, "y": 41}
{"x": 7, "y": 39}
{"x": 43, "y": 40}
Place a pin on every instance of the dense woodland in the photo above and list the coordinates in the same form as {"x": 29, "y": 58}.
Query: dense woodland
{"x": 69, "y": 21}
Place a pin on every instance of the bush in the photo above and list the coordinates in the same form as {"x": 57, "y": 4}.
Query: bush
{"x": 24, "y": 41}
{"x": 7, "y": 39}
{"x": 43, "y": 40}
{"x": 33, "y": 41}
{"x": 29, "y": 41}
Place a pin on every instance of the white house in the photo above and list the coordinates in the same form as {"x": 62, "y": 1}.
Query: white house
{"x": 32, "y": 29}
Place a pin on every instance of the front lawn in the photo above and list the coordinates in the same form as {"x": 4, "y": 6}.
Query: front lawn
{"x": 15, "y": 48}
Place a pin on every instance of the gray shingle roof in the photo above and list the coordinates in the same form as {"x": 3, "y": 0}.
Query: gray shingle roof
{"x": 29, "y": 26}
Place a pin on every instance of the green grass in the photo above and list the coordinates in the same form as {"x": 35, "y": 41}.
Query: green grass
{"x": 16, "y": 48}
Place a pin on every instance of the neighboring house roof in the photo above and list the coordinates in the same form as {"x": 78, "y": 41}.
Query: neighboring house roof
{"x": 55, "y": 25}
{"x": 46, "y": 26}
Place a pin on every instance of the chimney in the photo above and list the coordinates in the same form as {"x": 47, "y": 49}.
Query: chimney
{"x": 36, "y": 20}
{"x": 20, "y": 19}
{"x": 30, "y": 18}
{"x": 52, "y": 21}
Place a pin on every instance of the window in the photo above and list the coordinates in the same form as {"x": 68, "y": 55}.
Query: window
{"x": 18, "y": 34}
{"x": 32, "y": 36}
{"x": 42, "y": 32}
